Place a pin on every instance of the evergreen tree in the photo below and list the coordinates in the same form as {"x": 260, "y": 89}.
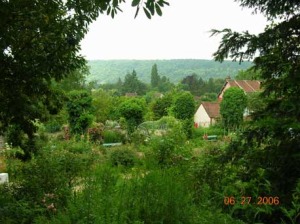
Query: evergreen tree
{"x": 155, "y": 78}
{"x": 133, "y": 85}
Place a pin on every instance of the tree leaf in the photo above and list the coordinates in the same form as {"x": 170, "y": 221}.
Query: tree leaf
{"x": 166, "y": 3}
{"x": 137, "y": 12}
{"x": 151, "y": 7}
{"x": 158, "y": 10}
{"x": 135, "y": 3}
{"x": 115, "y": 3}
{"x": 160, "y": 2}
{"x": 112, "y": 13}
{"x": 108, "y": 10}
{"x": 118, "y": 8}
{"x": 147, "y": 13}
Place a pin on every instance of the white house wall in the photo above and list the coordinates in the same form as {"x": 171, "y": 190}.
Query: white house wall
{"x": 201, "y": 117}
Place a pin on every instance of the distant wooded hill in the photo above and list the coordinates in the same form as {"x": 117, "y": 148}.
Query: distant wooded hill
{"x": 109, "y": 71}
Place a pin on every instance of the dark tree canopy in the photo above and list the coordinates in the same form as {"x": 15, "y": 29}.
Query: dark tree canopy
{"x": 133, "y": 85}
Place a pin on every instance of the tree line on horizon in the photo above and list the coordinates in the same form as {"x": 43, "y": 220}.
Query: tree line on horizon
{"x": 109, "y": 71}
{"x": 192, "y": 83}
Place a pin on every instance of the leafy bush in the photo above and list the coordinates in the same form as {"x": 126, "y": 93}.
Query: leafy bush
{"x": 79, "y": 107}
{"x": 172, "y": 140}
{"x": 164, "y": 148}
{"x": 53, "y": 126}
{"x": 139, "y": 197}
{"x": 76, "y": 147}
{"x": 44, "y": 184}
{"x": 15, "y": 136}
{"x": 292, "y": 214}
{"x": 95, "y": 132}
{"x": 139, "y": 137}
{"x": 122, "y": 156}
{"x": 112, "y": 136}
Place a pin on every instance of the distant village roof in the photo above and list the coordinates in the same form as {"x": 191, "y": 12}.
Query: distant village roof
{"x": 212, "y": 109}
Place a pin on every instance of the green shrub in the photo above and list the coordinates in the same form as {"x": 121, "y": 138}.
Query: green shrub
{"x": 77, "y": 147}
{"x": 164, "y": 148}
{"x": 170, "y": 144}
{"x": 112, "y": 136}
{"x": 122, "y": 156}
{"x": 53, "y": 126}
{"x": 44, "y": 184}
{"x": 79, "y": 108}
{"x": 158, "y": 196}
{"x": 15, "y": 136}
{"x": 138, "y": 137}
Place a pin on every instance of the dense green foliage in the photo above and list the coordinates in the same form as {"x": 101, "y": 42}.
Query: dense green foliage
{"x": 103, "y": 102}
{"x": 79, "y": 107}
{"x": 272, "y": 140}
{"x": 70, "y": 182}
{"x": 198, "y": 86}
{"x": 133, "y": 112}
{"x": 40, "y": 42}
{"x": 132, "y": 84}
{"x": 165, "y": 171}
{"x": 183, "y": 108}
{"x": 175, "y": 70}
{"x": 155, "y": 78}
{"x": 249, "y": 74}
{"x": 160, "y": 107}
{"x": 232, "y": 108}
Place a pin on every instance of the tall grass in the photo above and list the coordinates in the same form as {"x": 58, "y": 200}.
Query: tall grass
{"x": 138, "y": 197}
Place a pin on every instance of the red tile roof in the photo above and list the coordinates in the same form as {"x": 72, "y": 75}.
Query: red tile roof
{"x": 212, "y": 109}
{"x": 248, "y": 86}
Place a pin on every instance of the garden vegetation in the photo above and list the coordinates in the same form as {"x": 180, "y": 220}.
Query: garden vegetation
{"x": 75, "y": 154}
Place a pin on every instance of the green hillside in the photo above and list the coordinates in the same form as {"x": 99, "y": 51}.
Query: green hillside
{"x": 108, "y": 71}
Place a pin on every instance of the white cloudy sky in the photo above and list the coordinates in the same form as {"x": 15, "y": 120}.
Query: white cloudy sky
{"x": 181, "y": 33}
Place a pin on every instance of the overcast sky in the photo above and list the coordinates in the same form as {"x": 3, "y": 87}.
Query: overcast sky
{"x": 181, "y": 33}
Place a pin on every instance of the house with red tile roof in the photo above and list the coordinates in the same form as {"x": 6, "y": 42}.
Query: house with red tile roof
{"x": 207, "y": 114}
{"x": 249, "y": 86}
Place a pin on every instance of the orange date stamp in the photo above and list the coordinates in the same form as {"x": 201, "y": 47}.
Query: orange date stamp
{"x": 246, "y": 200}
